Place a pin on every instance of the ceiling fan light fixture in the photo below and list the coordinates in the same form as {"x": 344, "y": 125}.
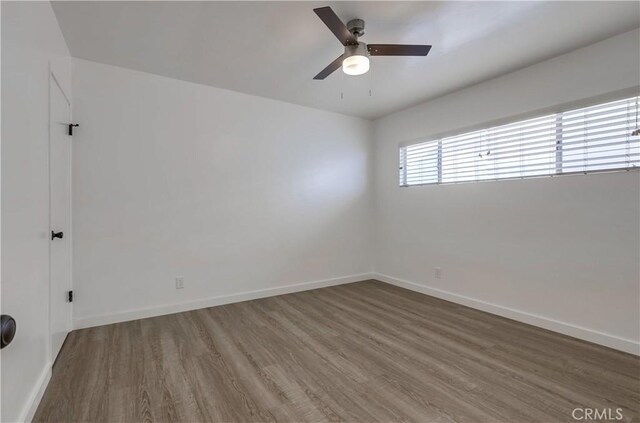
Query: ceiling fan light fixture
{"x": 355, "y": 65}
{"x": 356, "y": 59}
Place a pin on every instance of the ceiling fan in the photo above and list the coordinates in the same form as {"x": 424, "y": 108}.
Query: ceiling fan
{"x": 355, "y": 59}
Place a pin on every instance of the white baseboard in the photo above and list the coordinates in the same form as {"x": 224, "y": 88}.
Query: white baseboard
{"x": 143, "y": 313}
{"x": 608, "y": 340}
{"x": 622, "y": 344}
{"x": 36, "y": 394}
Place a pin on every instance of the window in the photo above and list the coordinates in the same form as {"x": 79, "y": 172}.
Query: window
{"x": 584, "y": 140}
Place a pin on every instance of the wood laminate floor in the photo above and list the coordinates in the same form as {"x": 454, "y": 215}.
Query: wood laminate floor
{"x": 363, "y": 352}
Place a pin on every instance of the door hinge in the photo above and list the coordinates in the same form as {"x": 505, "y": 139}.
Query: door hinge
{"x": 71, "y": 125}
{"x": 70, "y": 296}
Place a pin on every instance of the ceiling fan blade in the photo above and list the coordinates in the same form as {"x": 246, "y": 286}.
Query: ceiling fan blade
{"x": 398, "y": 50}
{"x": 333, "y": 66}
{"x": 339, "y": 29}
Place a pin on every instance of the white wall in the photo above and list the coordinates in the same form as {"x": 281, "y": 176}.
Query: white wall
{"x": 30, "y": 40}
{"x": 241, "y": 194}
{"x": 234, "y": 192}
{"x": 562, "y": 253}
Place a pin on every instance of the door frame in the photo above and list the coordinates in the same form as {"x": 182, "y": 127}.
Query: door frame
{"x": 54, "y": 80}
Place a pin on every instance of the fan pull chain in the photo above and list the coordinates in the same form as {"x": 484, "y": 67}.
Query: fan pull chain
{"x": 342, "y": 86}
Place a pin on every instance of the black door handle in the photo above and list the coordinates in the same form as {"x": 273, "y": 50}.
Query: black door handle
{"x": 8, "y": 330}
{"x": 56, "y": 235}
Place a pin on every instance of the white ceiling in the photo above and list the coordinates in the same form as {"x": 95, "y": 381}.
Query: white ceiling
{"x": 273, "y": 49}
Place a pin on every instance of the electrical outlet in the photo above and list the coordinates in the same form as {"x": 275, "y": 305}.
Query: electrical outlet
{"x": 438, "y": 273}
{"x": 179, "y": 282}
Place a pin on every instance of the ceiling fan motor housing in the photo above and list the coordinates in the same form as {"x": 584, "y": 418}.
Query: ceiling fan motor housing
{"x": 356, "y": 27}
{"x": 359, "y": 49}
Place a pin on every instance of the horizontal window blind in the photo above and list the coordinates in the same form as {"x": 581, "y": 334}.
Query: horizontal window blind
{"x": 584, "y": 140}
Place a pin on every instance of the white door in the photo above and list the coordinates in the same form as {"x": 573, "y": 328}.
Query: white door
{"x": 60, "y": 215}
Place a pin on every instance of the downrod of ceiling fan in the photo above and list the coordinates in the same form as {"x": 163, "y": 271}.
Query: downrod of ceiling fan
{"x": 356, "y": 27}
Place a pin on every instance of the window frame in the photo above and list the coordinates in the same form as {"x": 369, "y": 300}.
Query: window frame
{"x": 558, "y": 160}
